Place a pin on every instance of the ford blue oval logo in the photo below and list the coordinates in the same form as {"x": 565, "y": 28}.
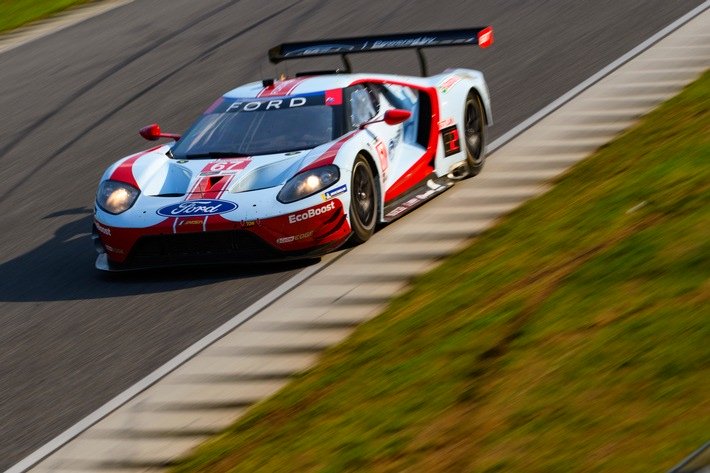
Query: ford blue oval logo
{"x": 197, "y": 208}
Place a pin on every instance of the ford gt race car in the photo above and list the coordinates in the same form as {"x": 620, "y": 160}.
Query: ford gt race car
{"x": 296, "y": 167}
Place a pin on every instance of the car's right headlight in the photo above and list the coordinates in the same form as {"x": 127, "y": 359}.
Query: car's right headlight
{"x": 308, "y": 183}
{"x": 116, "y": 197}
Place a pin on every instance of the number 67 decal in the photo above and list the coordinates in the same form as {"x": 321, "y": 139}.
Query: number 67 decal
{"x": 226, "y": 166}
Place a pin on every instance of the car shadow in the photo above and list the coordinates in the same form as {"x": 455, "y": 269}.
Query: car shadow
{"x": 62, "y": 269}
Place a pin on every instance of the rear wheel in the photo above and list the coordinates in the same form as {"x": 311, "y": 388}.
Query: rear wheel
{"x": 363, "y": 201}
{"x": 474, "y": 134}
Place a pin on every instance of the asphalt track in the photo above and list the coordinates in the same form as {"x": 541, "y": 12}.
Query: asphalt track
{"x": 71, "y": 102}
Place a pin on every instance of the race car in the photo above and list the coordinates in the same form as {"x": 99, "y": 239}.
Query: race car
{"x": 296, "y": 167}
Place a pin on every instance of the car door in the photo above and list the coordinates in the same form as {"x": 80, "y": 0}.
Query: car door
{"x": 404, "y": 143}
{"x": 363, "y": 104}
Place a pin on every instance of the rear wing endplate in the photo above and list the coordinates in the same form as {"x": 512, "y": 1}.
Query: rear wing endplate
{"x": 481, "y": 36}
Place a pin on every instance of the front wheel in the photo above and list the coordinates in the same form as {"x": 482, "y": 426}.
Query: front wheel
{"x": 363, "y": 201}
{"x": 474, "y": 134}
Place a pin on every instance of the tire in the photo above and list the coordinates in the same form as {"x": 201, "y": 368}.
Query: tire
{"x": 474, "y": 134}
{"x": 364, "y": 202}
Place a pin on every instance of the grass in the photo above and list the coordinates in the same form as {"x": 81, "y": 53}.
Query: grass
{"x": 572, "y": 336}
{"x": 15, "y": 13}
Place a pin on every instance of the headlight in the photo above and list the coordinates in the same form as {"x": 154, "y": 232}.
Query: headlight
{"x": 116, "y": 197}
{"x": 308, "y": 183}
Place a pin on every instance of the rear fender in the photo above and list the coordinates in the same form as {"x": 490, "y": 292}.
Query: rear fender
{"x": 463, "y": 80}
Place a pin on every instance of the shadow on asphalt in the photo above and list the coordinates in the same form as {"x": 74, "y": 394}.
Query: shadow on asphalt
{"x": 63, "y": 269}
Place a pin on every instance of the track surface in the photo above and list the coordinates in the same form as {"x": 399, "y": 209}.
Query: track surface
{"x": 70, "y": 339}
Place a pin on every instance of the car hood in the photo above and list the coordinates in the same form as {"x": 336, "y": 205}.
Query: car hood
{"x": 162, "y": 176}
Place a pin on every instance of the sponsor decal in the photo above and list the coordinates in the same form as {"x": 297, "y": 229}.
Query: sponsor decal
{"x": 396, "y": 211}
{"x": 197, "y": 208}
{"x": 192, "y": 222}
{"x": 118, "y": 251}
{"x": 269, "y": 103}
{"x": 310, "y": 213}
{"x": 292, "y": 238}
{"x": 225, "y": 167}
{"x": 403, "y": 43}
{"x": 333, "y": 192}
{"x": 320, "y": 49}
{"x": 393, "y": 142}
{"x": 452, "y": 143}
{"x": 433, "y": 189}
{"x": 390, "y": 147}
{"x": 264, "y": 105}
{"x": 248, "y": 223}
{"x": 446, "y": 123}
{"x": 382, "y": 155}
{"x": 447, "y": 83}
{"x": 105, "y": 230}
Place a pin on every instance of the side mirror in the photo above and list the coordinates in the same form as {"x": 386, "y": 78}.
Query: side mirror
{"x": 392, "y": 117}
{"x": 397, "y": 116}
{"x": 153, "y": 133}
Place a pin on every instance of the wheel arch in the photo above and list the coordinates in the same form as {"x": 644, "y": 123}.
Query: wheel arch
{"x": 378, "y": 181}
{"x": 486, "y": 111}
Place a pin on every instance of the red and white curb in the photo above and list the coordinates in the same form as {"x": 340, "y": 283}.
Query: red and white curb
{"x": 212, "y": 383}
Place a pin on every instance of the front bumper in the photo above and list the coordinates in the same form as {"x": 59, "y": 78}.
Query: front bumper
{"x": 215, "y": 240}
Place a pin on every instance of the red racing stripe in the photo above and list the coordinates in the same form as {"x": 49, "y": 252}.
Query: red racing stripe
{"x": 124, "y": 172}
{"x": 329, "y": 156}
{"x": 210, "y": 187}
{"x": 281, "y": 88}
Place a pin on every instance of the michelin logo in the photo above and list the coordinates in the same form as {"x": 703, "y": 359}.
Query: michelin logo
{"x": 310, "y": 213}
{"x": 334, "y": 192}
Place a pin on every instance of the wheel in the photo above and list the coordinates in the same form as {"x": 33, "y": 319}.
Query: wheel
{"x": 363, "y": 201}
{"x": 474, "y": 134}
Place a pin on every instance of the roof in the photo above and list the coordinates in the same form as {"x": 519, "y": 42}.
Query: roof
{"x": 318, "y": 83}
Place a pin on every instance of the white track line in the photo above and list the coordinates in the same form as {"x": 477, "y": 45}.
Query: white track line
{"x": 75, "y": 430}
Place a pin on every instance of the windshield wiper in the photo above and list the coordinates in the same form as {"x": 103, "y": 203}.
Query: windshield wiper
{"x": 217, "y": 154}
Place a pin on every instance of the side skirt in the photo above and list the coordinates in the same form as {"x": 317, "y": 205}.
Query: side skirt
{"x": 422, "y": 192}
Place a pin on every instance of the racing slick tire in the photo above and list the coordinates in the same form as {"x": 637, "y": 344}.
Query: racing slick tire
{"x": 363, "y": 201}
{"x": 474, "y": 134}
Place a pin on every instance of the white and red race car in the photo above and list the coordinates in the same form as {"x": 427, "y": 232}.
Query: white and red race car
{"x": 296, "y": 167}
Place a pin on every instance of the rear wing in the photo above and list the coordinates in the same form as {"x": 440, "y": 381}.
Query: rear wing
{"x": 481, "y": 36}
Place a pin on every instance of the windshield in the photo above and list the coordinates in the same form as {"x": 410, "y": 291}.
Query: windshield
{"x": 255, "y": 126}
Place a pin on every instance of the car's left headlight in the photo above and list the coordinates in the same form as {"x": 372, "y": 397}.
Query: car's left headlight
{"x": 308, "y": 183}
{"x": 116, "y": 197}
